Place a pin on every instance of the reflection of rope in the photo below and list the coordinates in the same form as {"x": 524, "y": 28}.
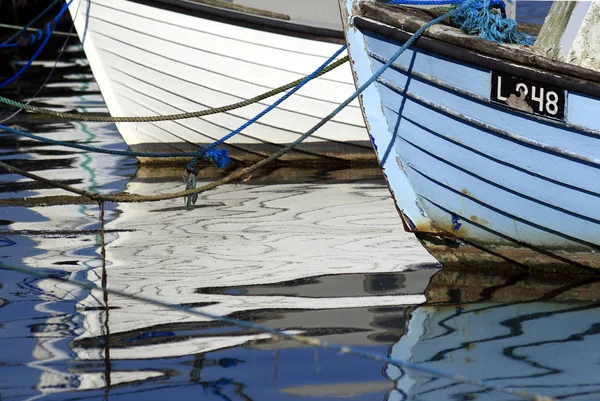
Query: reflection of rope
{"x": 43, "y": 85}
{"x": 25, "y": 28}
{"x": 28, "y": 26}
{"x": 49, "y": 29}
{"x": 169, "y": 117}
{"x": 278, "y": 334}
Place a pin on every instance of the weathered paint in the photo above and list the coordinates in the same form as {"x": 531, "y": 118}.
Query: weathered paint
{"x": 505, "y": 187}
{"x": 376, "y": 122}
{"x": 548, "y": 40}
{"x": 571, "y": 33}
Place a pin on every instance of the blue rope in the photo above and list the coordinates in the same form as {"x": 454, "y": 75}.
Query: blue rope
{"x": 49, "y": 29}
{"x": 281, "y": 99}
{"x": 29, "y": 24}
{"x": 95, "y": 149}
{"x": 220, "y": 156}
{"x": 475, "y": 18}
{"x": 425, "y": 2}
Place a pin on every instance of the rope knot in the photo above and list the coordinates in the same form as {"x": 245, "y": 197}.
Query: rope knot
{"x": 475, "y": 18}
{"x": 218, "y": 156}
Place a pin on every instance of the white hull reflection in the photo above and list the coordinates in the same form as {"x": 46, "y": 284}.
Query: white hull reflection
{"x": 225, "y": 258}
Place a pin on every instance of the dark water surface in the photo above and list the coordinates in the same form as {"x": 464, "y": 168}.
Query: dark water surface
{"x": 320, "y": 253}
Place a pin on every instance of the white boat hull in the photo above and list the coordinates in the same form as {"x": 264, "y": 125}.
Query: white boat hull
{"x": 151, "y": 61}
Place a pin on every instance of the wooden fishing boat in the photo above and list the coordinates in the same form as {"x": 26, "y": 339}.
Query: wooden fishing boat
{"x": 154, "y": 57}
{"x": 514, "y": 330}
{"x": 490, "y": 151}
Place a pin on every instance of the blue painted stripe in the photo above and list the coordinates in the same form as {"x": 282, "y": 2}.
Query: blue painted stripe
{"x": 498, "y": 219}
{"x": 525, "y": 181}
{"x": 581, "y": 109}
{"x": 501, "y": 118}
{"x": 418, "y": 156}
{"x": 479, "y": 231}
{"x": 527, "y": 208}
{"x": 578, "y": 129}
{"x": 517, "y": 154}
{"x": 469, "y": 78}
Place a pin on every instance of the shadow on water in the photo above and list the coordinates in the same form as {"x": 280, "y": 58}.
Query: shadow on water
{"x": 316, "y": 252}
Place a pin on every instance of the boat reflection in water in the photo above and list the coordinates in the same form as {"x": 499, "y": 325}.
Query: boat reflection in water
{"x": 538, "y": 335}
{"x": 288, "y": 249}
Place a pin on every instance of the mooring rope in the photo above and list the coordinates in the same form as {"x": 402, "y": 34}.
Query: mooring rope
{"x": 240, "y": 173}
{"x": 89, "y": 117}
{"x": 219, "y": 156}
{"x": 28, "y": 29}
{"x": 48, "y": 33}
{"x": 477, "y": 19}
{"x": 313, "y": 342}
{"x": 58, "y": 57}
{"x": 28, "y": 25}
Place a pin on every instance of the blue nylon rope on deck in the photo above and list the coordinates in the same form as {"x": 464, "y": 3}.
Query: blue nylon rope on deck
{"x": 475, "y": 18}
{"x": 49, "y": 29}
{"x": 425, "y": 2}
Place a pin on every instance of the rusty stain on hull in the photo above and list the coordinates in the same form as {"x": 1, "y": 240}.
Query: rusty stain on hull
{"x": 464, "y": 231}
{"x": 479, "y": 220}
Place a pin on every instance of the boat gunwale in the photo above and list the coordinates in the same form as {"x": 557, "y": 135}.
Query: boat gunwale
{"x": 563, "y": 124}
{"x": 252, "y": 21}
{"x": 461, "y": 54}
{"x": 450, "y": 248}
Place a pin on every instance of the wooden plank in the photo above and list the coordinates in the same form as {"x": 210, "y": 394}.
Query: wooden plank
{"x": 412, "y": 19}
{"x": 570, "y": 34}
{"x": 243, "y": 9}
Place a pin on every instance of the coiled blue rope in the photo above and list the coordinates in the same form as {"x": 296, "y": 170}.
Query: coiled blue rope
{"x": 49, "y": 29}
{"x": 475, "y": 18}
{"x": 425, "y": 2}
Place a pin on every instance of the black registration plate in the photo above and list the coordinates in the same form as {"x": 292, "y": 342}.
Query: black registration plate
{"x": 528, "y": 96}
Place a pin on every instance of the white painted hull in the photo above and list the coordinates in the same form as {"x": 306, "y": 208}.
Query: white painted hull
{"x": 149, "y": 61}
